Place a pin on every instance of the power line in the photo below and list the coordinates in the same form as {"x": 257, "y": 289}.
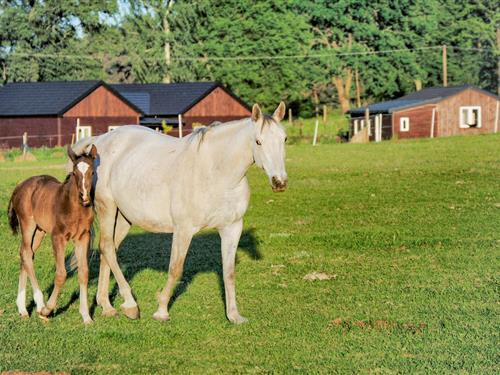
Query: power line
{"x": 260, "y": 57}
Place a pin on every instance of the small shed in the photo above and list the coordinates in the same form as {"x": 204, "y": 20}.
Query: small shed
{"x": 49, "y": 112}
{"x": 431, "y": 112}
{"x": 193, "y": 103}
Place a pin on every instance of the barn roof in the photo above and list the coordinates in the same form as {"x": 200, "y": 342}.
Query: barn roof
{"x": 425, "y": 96}
{"x": 48, "y": 98}
{"x": 168, "y": 99}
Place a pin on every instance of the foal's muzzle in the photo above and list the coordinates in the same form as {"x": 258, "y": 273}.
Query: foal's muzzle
{"x": 278, "y": 185}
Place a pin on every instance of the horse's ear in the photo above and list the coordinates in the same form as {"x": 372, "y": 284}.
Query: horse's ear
{"x": 279, "y": 114}
{"x": 71, "y": 154}
{"x": 256, "y": 112}
{"x": 93, "y": 152}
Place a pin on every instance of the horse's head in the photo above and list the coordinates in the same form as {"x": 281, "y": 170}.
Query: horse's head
{"x": 83, "y": 170}
{"x": 269, "y": 145}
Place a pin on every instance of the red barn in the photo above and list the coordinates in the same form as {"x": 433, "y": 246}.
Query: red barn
{"x": 431, "y": 112}
{"x": 194, "y": 103}
{"x": 50, "y": 111}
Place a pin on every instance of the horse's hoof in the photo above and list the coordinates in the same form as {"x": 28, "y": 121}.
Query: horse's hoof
{"x": 161, "y": 317}
{"x": 88, "y": 321}
{"x": 24, "y": 314}
{"x": 237, "y": 319}
{"x": 109, "y": 313}
{"x": 45, "y": 311}
{"x": 131, "y": 312}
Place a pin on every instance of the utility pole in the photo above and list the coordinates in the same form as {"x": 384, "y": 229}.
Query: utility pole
{"x": 445, "y": 67}
{"x": 166, "y": 47}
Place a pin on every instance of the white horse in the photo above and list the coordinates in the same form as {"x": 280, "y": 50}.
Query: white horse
{"x": 180, "y": 186}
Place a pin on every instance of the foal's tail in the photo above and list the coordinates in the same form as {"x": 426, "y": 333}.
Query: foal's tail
{"x": 11, "y": 213}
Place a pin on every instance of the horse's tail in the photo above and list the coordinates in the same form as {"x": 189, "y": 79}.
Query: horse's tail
{"x": 11, "y": 214}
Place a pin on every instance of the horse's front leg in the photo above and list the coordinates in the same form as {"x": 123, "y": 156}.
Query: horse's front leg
{"x": 230, "y": 236}
{"x": 58, "y": 244}
{"x": 180, "y": 245}
{"x": 81, "y": 249}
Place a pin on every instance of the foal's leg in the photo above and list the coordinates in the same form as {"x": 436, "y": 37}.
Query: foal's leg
{"x": 58, "y": 244}
{"x": 23, "y": 276}
{"x": 28, "y": 231}
{"x": 230, "y": 236}
{"x": 180, "y": 245}
{"x": 121, "y": 229}
{"x": 81, "y": 248}
{"x": 107, "y": 247}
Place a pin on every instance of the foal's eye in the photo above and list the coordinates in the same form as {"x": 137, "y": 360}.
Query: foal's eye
{"x": 258, "y": 142}
{"x": 286, "y": 138}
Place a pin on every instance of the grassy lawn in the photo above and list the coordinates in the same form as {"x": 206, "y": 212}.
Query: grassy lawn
{"x": 406, "y": 235}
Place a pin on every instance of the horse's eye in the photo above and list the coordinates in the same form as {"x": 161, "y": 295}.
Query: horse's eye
{"x": 258, "y": 142}
{"x": 286, "y": 138}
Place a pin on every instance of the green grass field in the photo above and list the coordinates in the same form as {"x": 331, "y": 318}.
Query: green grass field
{"x": 406, "y": 233}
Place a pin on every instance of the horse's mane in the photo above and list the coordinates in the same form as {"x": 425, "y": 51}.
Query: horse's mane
{"x": 68, "y": 176}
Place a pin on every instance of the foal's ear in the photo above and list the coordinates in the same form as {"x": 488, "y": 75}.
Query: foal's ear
{"x": 279, "y": 114}
{"x": 93, "y": 152}
{"x": 72, "y": 154}
{"x": 256, "y": 112}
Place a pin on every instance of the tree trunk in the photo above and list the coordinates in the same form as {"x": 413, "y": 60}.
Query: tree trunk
{"x": 343, "y": 86}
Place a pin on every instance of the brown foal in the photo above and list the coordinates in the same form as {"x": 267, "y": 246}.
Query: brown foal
{"x": 42, "y": 204}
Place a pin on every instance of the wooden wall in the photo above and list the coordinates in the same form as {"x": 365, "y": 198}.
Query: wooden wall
{"x": 216, "y": 106}
{"x": 42, "y": 131}
{"x": 420, "y": 122}
{"x": 101, "y": 103}
{"x": 449, "y": 113}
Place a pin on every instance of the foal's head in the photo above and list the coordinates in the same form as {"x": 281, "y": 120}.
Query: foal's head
{"x": 269, "y": 145}
{"x": 83, "y": 170}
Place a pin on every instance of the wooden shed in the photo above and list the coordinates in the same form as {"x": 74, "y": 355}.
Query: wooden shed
{"x": 194, "y": 103}
{"x": 431, "y": 112}
{"x": 50, "y": 111}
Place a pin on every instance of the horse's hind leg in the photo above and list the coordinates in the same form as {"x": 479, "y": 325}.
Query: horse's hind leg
{"x": 58, "y": 245}
{"x": 29, "y": 236}
{"x": 122, "y": 227}
{"x": 180, "y": 246}
{"x": 81, "y": 248}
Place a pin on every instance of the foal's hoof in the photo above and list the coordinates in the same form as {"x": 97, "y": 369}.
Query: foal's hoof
{"x": 24, "y": 314}
{"x": 45, "y": 311}
{"x": 161, "y": 317}
{"x": 237, "y": 319}
{"x": 43, "y": 318}
{"x": 131, "y": 312}
{"x": 88, "y": 321}
{"x": 109, "y": 313}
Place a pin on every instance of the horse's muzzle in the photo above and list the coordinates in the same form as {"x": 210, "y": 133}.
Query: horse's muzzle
{"x": 278, "y": 185}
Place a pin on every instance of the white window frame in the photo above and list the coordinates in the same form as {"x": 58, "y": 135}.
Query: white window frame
{"x": 355, "y": 126}
{"x": 464, "y": 123}
{"x": 86, "y": 130}
{"x": 404, "y": 124}
{"x": 113, "y": 127}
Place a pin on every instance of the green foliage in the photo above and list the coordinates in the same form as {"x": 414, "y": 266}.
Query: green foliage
{"x": 407, "y": 233}
{"x": 187, "y": 40}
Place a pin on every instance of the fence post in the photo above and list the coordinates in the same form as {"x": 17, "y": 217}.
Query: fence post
{"x": 25, "y": 144}
{"x": 290, "y": 120}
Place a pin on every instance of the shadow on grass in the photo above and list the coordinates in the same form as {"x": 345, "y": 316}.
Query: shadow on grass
{"x": 139, "y": 252}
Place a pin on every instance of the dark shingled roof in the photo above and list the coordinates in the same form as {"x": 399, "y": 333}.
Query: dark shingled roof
{"x": 168, "y": 99}
{"x": 428, "y": 95}
{"x": 47, "y": 98}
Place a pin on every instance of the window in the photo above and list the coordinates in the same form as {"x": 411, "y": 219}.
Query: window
{"x": 83, "y": 132}
{"x": 470, "y": 117}
{"x": 112, "y": 127}
{"x": 404, "y": 124}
